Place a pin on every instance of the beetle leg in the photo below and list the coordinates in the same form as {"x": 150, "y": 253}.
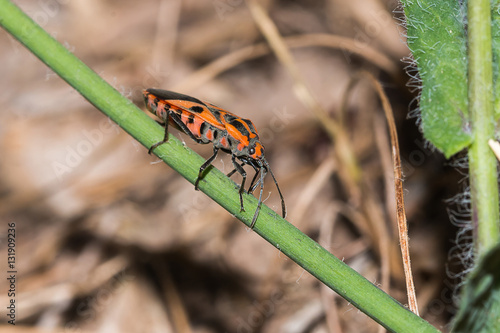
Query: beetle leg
{"x": 204, "y": 165}
{"x": 231, "y": 173}
{"x": 243, "y": 173}
{"x": 254, "y": 185}
{"x": 165, "y": 137}
{"x": 177, "y": 120}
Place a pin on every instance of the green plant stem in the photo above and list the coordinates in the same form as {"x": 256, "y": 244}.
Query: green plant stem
{"x": 281, "y": 234}
{"x": 482, "y": 162}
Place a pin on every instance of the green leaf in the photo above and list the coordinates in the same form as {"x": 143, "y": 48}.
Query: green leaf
{"x": 436, "y": 37}
{"x": 479, "y": 310}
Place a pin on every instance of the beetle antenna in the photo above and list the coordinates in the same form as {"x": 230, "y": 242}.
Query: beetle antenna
{"x": 283, "y": 206}
{"x": 259, "y": 204}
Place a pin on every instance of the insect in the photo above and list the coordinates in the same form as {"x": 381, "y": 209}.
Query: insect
{"x": 205, "y": 123}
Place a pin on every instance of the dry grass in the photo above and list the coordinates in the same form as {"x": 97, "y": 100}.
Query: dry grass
{"x": 109, "y": 240}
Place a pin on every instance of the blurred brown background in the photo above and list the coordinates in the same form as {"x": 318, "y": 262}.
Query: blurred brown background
{"x": 111, "y": 240}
